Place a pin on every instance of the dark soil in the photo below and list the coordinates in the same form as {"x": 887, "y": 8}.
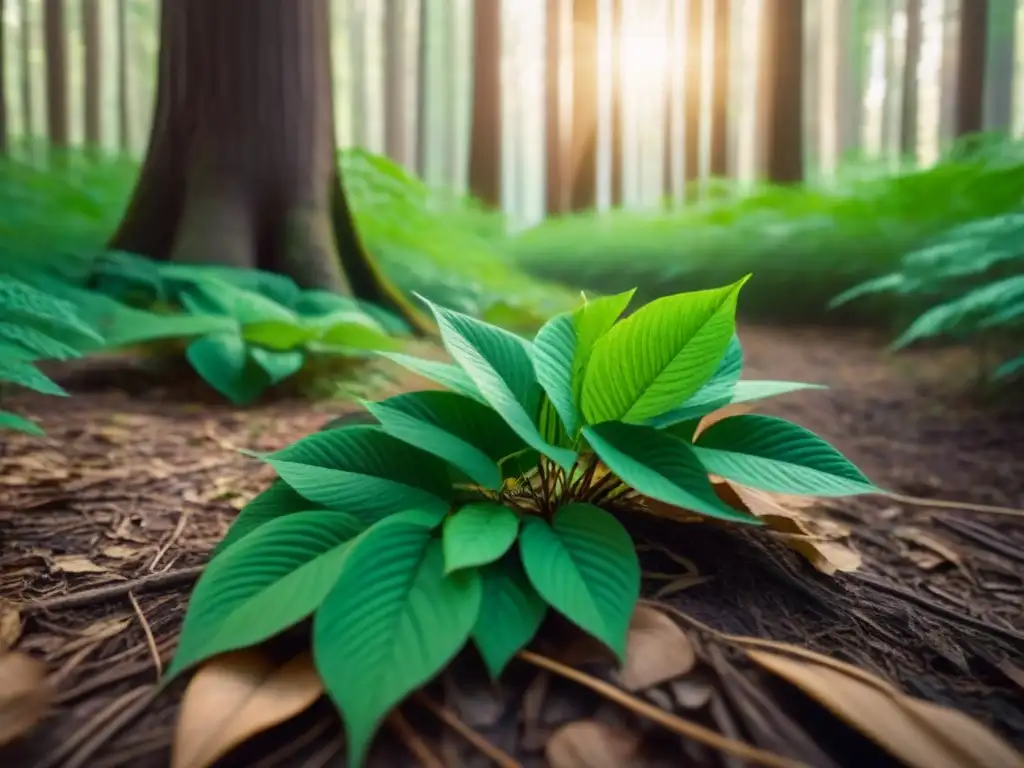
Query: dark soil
{"x": 105, "y": 523}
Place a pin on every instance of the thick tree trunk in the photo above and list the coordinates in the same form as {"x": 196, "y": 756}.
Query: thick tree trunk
{"x": 693, "y": 90}
{"x": 617, "y": 181}
{"x": 240, "y": 168}
{"x": 970, "y": 90}
{"x": 55, "y": 43}
{"x": 92, "y": 44}
{"x": 782, "y": 74}
{"x": 720, "y": 91}
{"x": 396, "y": 52}
{"x": 3, "y": 86}
{"x": 485, "y": 140}
{"x": 123, "y": 109}
{"x": 25, "y": 66}
{"x": 908, "y": 120}
{"x": 584, "y": 104}
{"x": 556, "y": 150}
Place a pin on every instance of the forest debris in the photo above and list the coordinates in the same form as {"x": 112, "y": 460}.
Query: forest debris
{"x": 10, "y": 625}
{"x": 235, "y": 696}
{"x": 733, "y": 409}
{"x": 119, "y": 552}
{"x": 75, "y": 564}
{"x": 918, "y": 733}
{"x": 25, "y": 695}
{"x": 930, "y": 551}
{"x": 657, "y": 650}
{"x": 593, "y": 744}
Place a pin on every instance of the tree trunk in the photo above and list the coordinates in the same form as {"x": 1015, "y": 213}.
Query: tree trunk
{"x": 55, "y": 43}
{"x": 3, "y": 87}
{"x": 584, "y": 104}
{"x": 396, "y": 53}
{"x": 1000, "y": 65}
{"x": 123, "y": 108}
{"x": 852, "y": 44}
{"x": 783, "y": 77}
{"x": 240, "y": 168}
{"x": 25, "y": 65}
{"x": 92, "y": 45}
{"x": 617, "y": 182}
{"x": 908, "y": 120}
{"x": 556, "y": 149}
{"x": 422, "y": 81}
{"x": 970, "y": 88}
{"x": 357, "y": 69}
{"x": 485, "y": 141}
{"x": 719, "y": 150}
{"x": 693, "y": 89}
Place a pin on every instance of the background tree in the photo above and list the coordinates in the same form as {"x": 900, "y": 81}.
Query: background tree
{"x": 92, "y": 48}
{"x": 241, "y": 166}
{"x": 912, "y": 59}
{"x": 719, "y": 150}
{"x": 970, "y": 86}
{"x": 485, "y": 139}
{"x": 999, "y": 74}
{"x": 782, "y": 90}
{"x": 617, "y": 117}
{"x": 3, "y": 87}
{"x": 123, "y": 102}
{"x": 584, "y": 104}
{"x": 558, "y": 32}
{"x": 692, "y": 100}
{"x": 55, "y": 43}
{"x": 396, "y": 58}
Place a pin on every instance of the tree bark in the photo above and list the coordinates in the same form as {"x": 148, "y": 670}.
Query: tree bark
{"x": 485, "y": 141}
{"x": 55, "y": 43}
{"x": 556, "y": 149}
{"x": 908, "y": 120}
{"x": 92, "y": 44}
{"x": 970, "y": 89}
{"x": 692, "y": 99}
{"x": 123, "y": 85}
{"x": 782, "y": 89}
{"x": 396, "y": 54}
{"x": 719, "y": 150}
{"x": 3, "y": 86}
{"x": 240, "y": 168}
{"x": 24, "y": 64}
{"x": 584, "y": 104}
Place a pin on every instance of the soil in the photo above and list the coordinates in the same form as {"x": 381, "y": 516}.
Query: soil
{"x": 106, "y": 522}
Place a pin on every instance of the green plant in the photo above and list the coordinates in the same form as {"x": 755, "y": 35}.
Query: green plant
{"x": 35, "y": 326}
{"x": 971, "y": 279}
{"x": 468, "y": 513}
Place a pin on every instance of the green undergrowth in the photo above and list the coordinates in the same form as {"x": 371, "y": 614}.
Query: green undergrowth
{"x": 807, "y": 244}
{"x": 466, "y": 516}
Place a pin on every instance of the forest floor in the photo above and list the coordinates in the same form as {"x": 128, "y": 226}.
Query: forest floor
{"x": 105, "y": 523}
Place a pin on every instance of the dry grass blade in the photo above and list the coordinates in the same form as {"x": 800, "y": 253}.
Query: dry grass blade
{"x": 657, "y": 650}
{"x": 25, "y": 695}
{"x": 235, "y": 696}
{"x": 920, "y": 734}
{"x": 592, "y": 744}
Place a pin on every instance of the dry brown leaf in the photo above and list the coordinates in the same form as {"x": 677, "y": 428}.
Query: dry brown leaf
{"x": 920, "y": 734}
{"x": 10, "y": 626}
{"x": 734, "y": 409}
{"x": 657, "y": 650}
{"x": 118, "y": 552}
{"x": 936, "y": 552}
{"x": 235, "y": 696}
{"x": 592, "y": 744}
{"x": 76, "y": 564}
{"x": 25, "y": 695}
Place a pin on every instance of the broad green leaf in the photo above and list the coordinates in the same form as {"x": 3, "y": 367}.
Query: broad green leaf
{"x": 660, "y": 356}
{"x": 478, "y": 534}
{"x": 776, "y": 455}
{"x": 462, "y": 431}
{"x": 741, "y": 392}
{"x": 585, "y": 566}
{"x": 511, "y": 612}
{"x": 354, "y": 329}
{"x": 269, "y": 581}
{"x": 445, "y": 374}
{"x": 25, "y": 374}
{"x": 245, "y": 306}
{"x": 40, "y": 345}
{"x": 18, "y": 423}
{"x": 278, "y": 500}
{"x": 500, "y": 365}
{"x": 661, "y": 466}
{"x": 277, "y": 335}
{"x": 26, "y": 303}
{"x": 277, "y": 365}
{"x": 222, "y": 360}
{"x": 392, "y": 622}
{"x": 363, "y": 471}
{"x": 562, "y": 349}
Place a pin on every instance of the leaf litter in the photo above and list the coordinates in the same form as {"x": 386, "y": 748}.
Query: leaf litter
{"x": 82, "y": 494}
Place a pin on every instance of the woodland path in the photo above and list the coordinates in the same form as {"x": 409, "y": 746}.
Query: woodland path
{"x": 104, "y": 521}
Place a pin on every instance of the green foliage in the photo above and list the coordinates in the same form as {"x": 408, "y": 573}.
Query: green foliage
{"x": 465, "y": 515}
{"x": 970, "y": 278}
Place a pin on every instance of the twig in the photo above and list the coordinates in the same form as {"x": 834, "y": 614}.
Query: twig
{"x": 112, "y": 591}
{"x": 414, "y": 741}
{"x": 449, "y": 718}
{"x": 150, "y": 640}
{"x": 963, "y": 506}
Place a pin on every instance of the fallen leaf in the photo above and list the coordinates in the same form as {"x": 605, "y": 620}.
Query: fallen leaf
{"x": 918, "y": 733}
{"x": 25, "y": 695}
{"x": 76, "y": 564}
{"x": 592, "y": 744}
{"x": 733, "y": 409}
{"x": 10, "y": 626}
{"x": 936, "y": 552}
{"x": 657, "y": 650}
{"x": 120, "y": 552}
{"x": 235, "y": 696}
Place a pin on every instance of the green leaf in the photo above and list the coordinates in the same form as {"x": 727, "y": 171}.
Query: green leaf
{"x": 18, "y": 423}
{"x": 25, "y": 374}
{"x": 741, "y": 392}
{"x": 445, "y": 374}
{"x": 562, "y": 349}
{"x": 277, "y": 365}
{"x": 659, "y": 356}
{"x": 277, "y": 335}
{"x": 478, "y": 534}
{"x": 28, "y": 304}
{"x": 392, "y": 622}
{"x": 348, "y": 328}
{"x": 511, "y": 612}
{"x": 500, "y": 365}
{"x": 363, "y": 471}
{"x": 776, "y": 455}
{"x": 462, "y": 431}
{"x": 661, "y": 466}
{"x": 222, "y": 360}
{"x": 585, "y": 566}
{"x": 34, "y": 341}
{"x": 278, "y": 500}
{"x": 244, "y": 306}
{"x": 269, "y": 581}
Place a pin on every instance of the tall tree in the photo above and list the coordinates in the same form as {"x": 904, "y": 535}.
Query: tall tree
{"x": 25, "y": 67}
{"x": 240, "y": 168}
{"x": 357, "y": 69}
{"x": 782, "y": 85}
{"x": 584, "y": 104}
{"x": 618, "y": 116}
{"x": 92, "y": 48}
{"x": 422, "y": 80}
{"x": 911, "y": 63}
{"x": 852, "y": 68}
{"x": 557, "y": 33}
{"x": 1002, "y": 53}
{"x": 971, "y": 54}
{"x": 719, "y": 149}
{"x": 485, "y": 139}
{"x": 693, "y": 93}
{"x": 3, "y": 85}
{"x": 396, "y": 53}
{"x": 123, "y": 84}
{"x": 56, "y": 54}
